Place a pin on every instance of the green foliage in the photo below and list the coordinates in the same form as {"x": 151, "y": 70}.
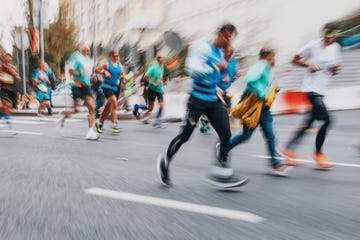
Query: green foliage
{"x": 60, "y": 40}
{"x": 181, "y": 60}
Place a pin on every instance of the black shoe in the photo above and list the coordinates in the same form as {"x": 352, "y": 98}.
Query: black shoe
{"x": 163, "y": 170}
{"x": 136, "y": 114}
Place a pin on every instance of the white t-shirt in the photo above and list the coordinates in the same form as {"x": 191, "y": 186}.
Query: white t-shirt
{"x": 316, "y": 53}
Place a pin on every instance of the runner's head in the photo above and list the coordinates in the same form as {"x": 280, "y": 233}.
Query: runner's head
{"x": 160, "y": 59}
{"x": 114, "y": 55}
{"x": 224, "y": 35}
{"x": 329, "y": 35}
{"x": 84, "y": 49}
{"x": 268, "y": 54}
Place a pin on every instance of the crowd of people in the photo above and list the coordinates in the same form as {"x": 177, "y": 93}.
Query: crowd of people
{"x": 213, "y": 69}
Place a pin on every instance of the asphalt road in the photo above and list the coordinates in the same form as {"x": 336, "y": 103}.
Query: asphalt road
{"x": 54, "y": 185}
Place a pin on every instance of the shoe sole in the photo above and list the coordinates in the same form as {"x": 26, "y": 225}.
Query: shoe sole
{"x": 157, "y": 127}
{"x": 226, "y": 185}
{"x": 117, "y": 131}
{"x": 93, "y": 139}
{"x": 158, "y": 170}
{"x": 281, "y": 174}
{"x": 293, "y": 162}
{"x": 323, "y": 168}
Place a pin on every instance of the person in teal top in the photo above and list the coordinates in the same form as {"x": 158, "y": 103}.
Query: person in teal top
{"x": 41, "y": 82}
{"x": 80, "y": 68}
{"x": 113, "y": 72}
{"x": 154, "y": 76}
{"x": 257, "y": 81}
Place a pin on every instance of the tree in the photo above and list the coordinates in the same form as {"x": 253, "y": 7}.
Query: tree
{"x": 60, "y": 39}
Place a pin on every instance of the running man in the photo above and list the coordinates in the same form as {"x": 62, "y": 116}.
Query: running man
{"x": 257, "y": 82}
{"x": 321, "y": 58}
{"x": 80, "y": 68}
{"x": 154, "y": 77}
{"x": 8, "y": 76}
{"x": 114, "y": 73}
{"x": 204, "y": 65}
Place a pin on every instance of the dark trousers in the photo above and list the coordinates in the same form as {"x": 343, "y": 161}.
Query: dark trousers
{"x": 318, "y": 112}
{"x": 266, "y": 124}
{"x": 218, "y": 118}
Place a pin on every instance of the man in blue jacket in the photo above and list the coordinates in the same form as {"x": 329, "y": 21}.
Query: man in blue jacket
{"x": 204, "y": 64}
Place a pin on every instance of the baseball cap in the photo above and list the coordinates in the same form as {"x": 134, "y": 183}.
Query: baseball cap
{"x": 328, "y": 32}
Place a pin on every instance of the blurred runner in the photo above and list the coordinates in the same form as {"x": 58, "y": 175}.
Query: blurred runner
{"x": 113, "y": 72}
{"x": 257, "y": 83}
{"x": 80, "y": 68}
{"x": 204, "y": 64}
{"x": 8, "y": 76}
{"x": 321, "y": 58}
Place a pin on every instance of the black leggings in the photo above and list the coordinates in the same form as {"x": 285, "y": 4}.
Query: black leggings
{"x": 318, "y": 112}
{"x": 218, "y": 118}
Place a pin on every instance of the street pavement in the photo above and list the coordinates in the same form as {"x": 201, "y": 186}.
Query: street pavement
{"x": 56, "y": 185}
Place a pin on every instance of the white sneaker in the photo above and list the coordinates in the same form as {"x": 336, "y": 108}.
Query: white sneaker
{"x": 92, "y": 135}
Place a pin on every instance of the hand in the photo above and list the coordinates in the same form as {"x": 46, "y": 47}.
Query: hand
{"x": 219, "y": 91}
{"x": 73, "y": 72}
{"x": 313, "y": 68}
{"x": 237, "y": 75}
{"x": 107, "y": 74}
{"x": 222, "y": 65}
{"x": 334, "y": 69}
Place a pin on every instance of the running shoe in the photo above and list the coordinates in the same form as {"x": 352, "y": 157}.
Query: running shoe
{"x": 163, "y": 170}
{"x": 136, "y": 113}
{"x": 92, "y": 135}
{"x": 280, "y": 170}
{"x": 287, "y": 153}
{"x": 99, "y": 127}
{"x": 322, "y": 162}
{"x": 115, "y": 129}
{"x": 222, "y": 176}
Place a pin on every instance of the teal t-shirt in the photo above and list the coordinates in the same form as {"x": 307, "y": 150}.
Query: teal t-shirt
{"x": 83, "y": 65}
{"x": 258, "y": 77}
{"x": 155, "y": 73}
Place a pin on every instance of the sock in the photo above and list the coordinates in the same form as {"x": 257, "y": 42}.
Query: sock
{"x": 143, "y": 107}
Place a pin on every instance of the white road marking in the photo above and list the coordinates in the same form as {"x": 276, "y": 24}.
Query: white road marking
{"x": 43, "y": 119}
{"x": 27, "y": 122}
{"x": 184, "y": 206}
{"x": 22, "y": 132}
{"x": 311, "y": 161}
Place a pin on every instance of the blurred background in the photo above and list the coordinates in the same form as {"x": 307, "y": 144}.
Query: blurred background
{"x": 141, "y": 28}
